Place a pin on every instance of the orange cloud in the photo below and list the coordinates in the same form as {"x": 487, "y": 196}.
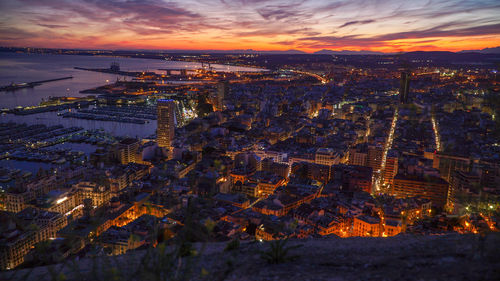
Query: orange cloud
{"x": 308, "y": 25}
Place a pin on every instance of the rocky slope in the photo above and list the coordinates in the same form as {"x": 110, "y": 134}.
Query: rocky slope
{"x": 448, "y": 257}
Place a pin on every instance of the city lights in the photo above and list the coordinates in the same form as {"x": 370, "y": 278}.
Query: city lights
{"x": 59, "y": 201}
{"x": 368, "y": 131}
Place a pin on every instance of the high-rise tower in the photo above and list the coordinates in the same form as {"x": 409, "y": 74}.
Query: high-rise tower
{"x": 222, "y": 92}
{"x": 166, "y": 122}
{"x": 404, "y": 87}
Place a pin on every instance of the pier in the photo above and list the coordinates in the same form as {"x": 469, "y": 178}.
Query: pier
{"x": 116, "y": 71}
{"x": 14, "y": 87}
{"x": 54, "y": 104}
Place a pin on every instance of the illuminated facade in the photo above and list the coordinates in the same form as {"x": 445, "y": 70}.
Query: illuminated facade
{"x": 127, "y": 149}
{"x": 357, "y": 157}
{"x": 366, "y": 226}
{"x": 62, "y": 202}
{"x": 390, "y": 169}
{"x": 99, "y": 194}
{"x": 326, "y": 156}
{"x": 16, "y": 202}
{"x": 428, "y": 187}
{"x": 166, "y": 123}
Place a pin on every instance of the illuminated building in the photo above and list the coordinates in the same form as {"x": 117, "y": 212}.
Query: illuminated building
{"x": 267, "y": 183}
{"x": 326, "y": 156}
{"x": 368, "y": 155}
{"x": 279, "y": 169}
{"x": 127, "y": 150}
{"x": 391, "y": 168}
{"x": 461, "y": 183}
{"x": 358, "y": 157}
{"x": 58, "y": 201}
{"x": 404, "y": 87}
{"x": 222, "y": 92}
{"x": 88, "y": 190}
{"x": 374, "y": 159}
{"x": 269, "y": 231}
{"x": 447, "y": 164}
{"x": 16, "y": 201}
{"x": 120, "y": 177}
{"x": 259, "y": 184}
{"x": 392, "y": 228}
{"x": 166, "y": 123}
{"x": 249, "y": 160}
{"x": 366, "y": 226}
{"x": 248, "y": 188}
{"x": 241, "y": 174}
{"x": 428, "y": 187}
{"x": 130, "y": 236}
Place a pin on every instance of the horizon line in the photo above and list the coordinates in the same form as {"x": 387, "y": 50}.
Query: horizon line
{"x": 248, "y": 50}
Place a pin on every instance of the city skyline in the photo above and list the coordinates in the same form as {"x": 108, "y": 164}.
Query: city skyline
{"x": 205, "y": 139}
{"x": 309, "y": 26}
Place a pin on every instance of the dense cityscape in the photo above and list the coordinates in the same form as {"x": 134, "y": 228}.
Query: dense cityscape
{"x": 186, "y": 149}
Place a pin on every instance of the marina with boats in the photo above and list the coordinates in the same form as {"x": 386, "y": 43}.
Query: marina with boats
{"x": 48, "y": 146}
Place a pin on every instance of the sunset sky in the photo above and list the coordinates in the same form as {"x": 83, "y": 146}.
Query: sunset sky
{"x": 387, "y": 26}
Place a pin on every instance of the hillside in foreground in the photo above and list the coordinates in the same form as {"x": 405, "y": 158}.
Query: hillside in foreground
{"x": 448, "y": 257}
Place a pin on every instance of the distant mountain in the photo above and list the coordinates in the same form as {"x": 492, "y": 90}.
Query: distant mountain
{"x": 247, "y": 51}
{"x": 347, "y": 52}
{"x": 494, "y": 50}
{"x": 486, "y": 51}
{"x": 439, "y": 56}
{"x": 428, "y": 54}
{"x": 450, "y": 58}
{"x": 288, "y": 52}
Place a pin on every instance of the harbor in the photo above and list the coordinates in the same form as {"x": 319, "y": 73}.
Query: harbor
{"x": 120, "y": 107}
{"x": 22, "y": 137}
{"x": 24, "y": 149}
{"x": 124, "y": 114}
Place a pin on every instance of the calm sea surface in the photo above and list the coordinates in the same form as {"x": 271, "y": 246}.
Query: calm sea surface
{"x": 20, "y": 68}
